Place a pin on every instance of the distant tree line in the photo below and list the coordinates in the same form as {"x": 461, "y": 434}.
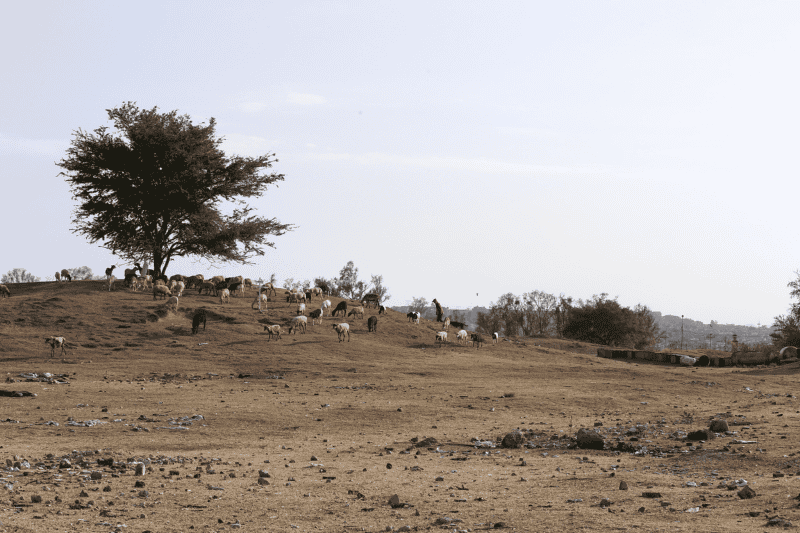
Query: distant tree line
{"x": 346, "y": 285}
{"x": 600, "y": 320}
{"x": 20, "y": 275}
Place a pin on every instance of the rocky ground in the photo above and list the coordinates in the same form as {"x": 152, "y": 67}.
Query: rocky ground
{"x": 143, "y": 427}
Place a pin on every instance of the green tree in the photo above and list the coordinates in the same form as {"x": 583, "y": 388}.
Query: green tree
{"x": 418, "y": 305}
{"x": 539, "y": 313}
{"x": 159, "y": 186}
{"x": 376, "y": 287}
{"x": 347, "y": 284}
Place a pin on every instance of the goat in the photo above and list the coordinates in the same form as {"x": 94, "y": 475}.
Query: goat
{"x": 462, "y": 336}
{"x": 193, "y": 281}
{"x": 382, "y": 310}
{"x": 341, "y": 330}
{"x": 418, "y": 316}
{"x": 161, "y": 290}
{"x": 225, "y": 296}
{"x": 495, "y": 337}
{"x": 179, "y": 286}
{"x": 301, "y": 309}
{"x": 446, "y": 323}
{"x": 199, "y": 317}
{"x": 373, "y": 299}
{"x": 235, "y": 287}
{"x": 459, "y": 325}
{"x": 4, "y": 292}
{"x": 269, "y": 288}
{"x": 172, "y": 303}
{"x": 441, "y": 337}
{"x": 56, "y": 342}
{"x": 358, "y": 311}
{"x": 325, "y": 305}
{"x": 315, "y": 315}
{"x": 477, "y": 340}
{"x": 208, "y": 286}
{"x": 411, "y": 315}
{"x": 260, "y": 299}
{"x": 111, "y": 280}
{"x": 65, "y": 275}
{"x": 315, "y": 291}
{"x": 273, "y": 330}
{"x": 110, "y": 271}
{"x": 296, "y": 297}
{"x": 341, "y": 307}
{"x": 298, "y": 322}
{"x": 372, "y": 324}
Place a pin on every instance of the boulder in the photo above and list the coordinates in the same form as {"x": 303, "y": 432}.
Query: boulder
{"x": 701, "y": 434}
{"x": 589, "y": 439}
{"x": 513, "y": 440}
{"x": 718, "y": 426}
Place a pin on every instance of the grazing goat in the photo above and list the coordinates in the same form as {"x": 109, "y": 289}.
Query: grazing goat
{"x": 172, "y": 303}
{"x": 178, "y": 277}
{"x": 341, "y": 307}
{"x": 418, "y": 316}
{"x": 325, "y": 305}
{"x": 372, "y": 324}
{"x": 459, "y": 325}
{"x": 161, "y": 290}
{"x": 441, "y": 337}
{"x": 260, "y": 299}
{"x": 315, "y": 291}
{"x": 269, "y": 288}
{"x": 477, "y": 340}
{"x": 411, "y": 315}
{"x": 462, "y": 336}
{"x": 65, "y": 275}
{"x": 216, "y": 279}
{"x": 198, "y": 318}
{"x": 446, "y": 323}
{"x": 382, "y": 310}
{"x": 193, "y": 281}
{"x": 179, "y": 286}
{"x": 273, "y": 330}
{"x": 4, "y": 292}
{"x": 296, "y": 297}
{"x": 56, "y": 342}
{"x": 235, "y": 287}
{"x": 248, "y": 283}
{"x": 111, "y": 280}
{"x": 358, "y": 311}
{"x": 301, "y": 309}
{"x": 315, "y": 315}
{"x": 110, "y": 271}
{"x": 373, "y": 299}
{"x": 58, "y": 276}
{"x": 298, "y": 322}
{"x": 439, "y": 311}
{"x": 495, "y": 337}
{"x": 225, "y": 296}
{"x": 341, "y": 330}
{"x": 207, "y": 286}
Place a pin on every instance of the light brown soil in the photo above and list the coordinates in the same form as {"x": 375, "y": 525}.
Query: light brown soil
{"x": 331, "y": 423}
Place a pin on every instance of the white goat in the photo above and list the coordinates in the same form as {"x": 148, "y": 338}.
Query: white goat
{"x": 301, "y": 309}
{"x": 441, "y": 337}
{"x": 261, "y": 299}
{"x": 326, "y": 305}
{"x": 4, "y": 292}
{"x": 416, "y": 320}
{"x": 111, "y": 280}
{"x": 56, "y": 342}
{"x": 298, "y": 322}
{"x": 161, "y": 290}
{"x": 446, "y": 323}
{"x": 179, "y": 286}
{"x": 172, "y": 303}
{"x": 341, "y": 330}
{"x": 273, "y": 330}
{"x": 495, "y": 337}
{"x": 224, "y": 296}
{"x": 462, "y": 336}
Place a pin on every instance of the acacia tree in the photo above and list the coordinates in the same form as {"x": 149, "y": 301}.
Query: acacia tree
{"x": 154, "y": 187}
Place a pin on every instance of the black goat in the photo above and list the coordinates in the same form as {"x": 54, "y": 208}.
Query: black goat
{"x": 198, "y": 318}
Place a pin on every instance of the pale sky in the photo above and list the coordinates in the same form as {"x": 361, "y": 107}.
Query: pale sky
{"x": 462, "y": 150}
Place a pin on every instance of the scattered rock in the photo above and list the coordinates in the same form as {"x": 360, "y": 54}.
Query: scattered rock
{"x": 605, "y": 502}
{"x": 701, "y": 434}
{"x": 263, "y": 481}
{"x": 623, "y": 485}
{"x": 651, "y": 495}
{"x": 394, "y": 501}
{"x": 777, "y": 521}
{"x": 718, "y": 426}
{"x": 96, "y": 475}
{"x": 513, "y": 440}
{"x": 140, "y": 469}
{"x": 589, "y": 439}
{"x": 746, "y": 493}
{"x": 36, "y": 499}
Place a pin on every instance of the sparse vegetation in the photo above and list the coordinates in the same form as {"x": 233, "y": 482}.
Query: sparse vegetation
{"x": 19, "y": 275}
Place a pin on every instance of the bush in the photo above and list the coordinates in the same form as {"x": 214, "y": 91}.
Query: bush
{"x": 19, "y": 275}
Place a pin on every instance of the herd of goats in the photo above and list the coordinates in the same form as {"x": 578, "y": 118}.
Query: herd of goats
{"x": 219, "y": 286}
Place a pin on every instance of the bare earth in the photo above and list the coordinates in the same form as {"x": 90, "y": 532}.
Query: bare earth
{"x": 340, "y": 428}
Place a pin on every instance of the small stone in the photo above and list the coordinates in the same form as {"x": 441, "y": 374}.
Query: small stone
{"x": 623, "y": 485}
{"x": 263, "y": 481}
{"x": 36, "y": 498}
{"x": 746, "y": 493}
{"x": 605, "y": 502}
{"x": 394, "y": 501}
{"x": 439, "y": 478}
{"x": 651, "y": 495}
{"x": 263, "y": 473}
{"x": 139, "y": 485}
{"x": 389, "y": 466}
{"x": 96, "y": 475}
{"x": 140, "y": 469}
{"x": 701, "y": 434}
{"x": 107, "y": 488}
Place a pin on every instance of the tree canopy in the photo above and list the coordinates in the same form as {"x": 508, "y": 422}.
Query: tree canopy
{"x": 155, "y": 187}
{"x": 787, "y": 327}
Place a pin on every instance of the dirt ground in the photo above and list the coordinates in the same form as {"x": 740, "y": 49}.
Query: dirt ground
{"x": 236, "y": 432}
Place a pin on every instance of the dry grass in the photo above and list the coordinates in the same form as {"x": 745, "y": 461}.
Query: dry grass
{"x": 354, "y": 407}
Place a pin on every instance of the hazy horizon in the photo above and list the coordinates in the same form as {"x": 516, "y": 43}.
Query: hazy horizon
{"x": 461, "y": 150}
